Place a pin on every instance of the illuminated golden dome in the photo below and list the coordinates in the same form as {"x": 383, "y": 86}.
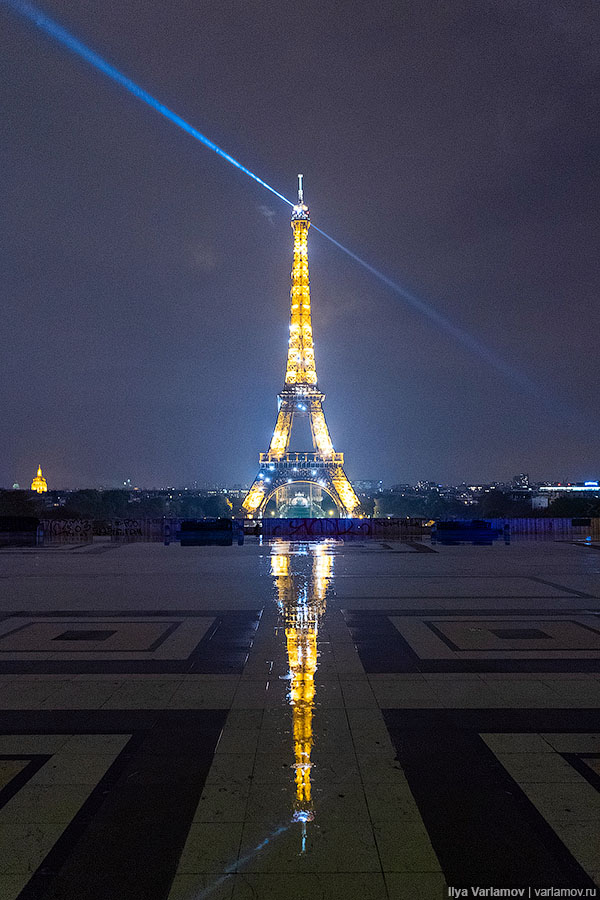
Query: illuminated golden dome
{"x": 39, "y": 482}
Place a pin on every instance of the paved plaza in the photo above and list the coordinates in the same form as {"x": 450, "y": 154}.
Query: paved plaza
{"x": 287, "y": 721}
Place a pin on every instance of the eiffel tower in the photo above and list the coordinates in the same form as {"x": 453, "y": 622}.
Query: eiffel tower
{"x": 320, "y": 470}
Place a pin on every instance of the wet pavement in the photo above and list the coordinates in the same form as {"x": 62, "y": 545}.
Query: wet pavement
{"x": 361, "y": 720}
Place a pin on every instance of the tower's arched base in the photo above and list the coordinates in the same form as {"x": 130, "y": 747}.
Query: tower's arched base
{"x": 284, "y": 470}
{"x": 301, "y": 500}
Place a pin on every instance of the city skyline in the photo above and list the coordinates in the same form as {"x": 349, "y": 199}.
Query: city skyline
{"x": 147, "y": 282}
{"x": 200, "y": 484}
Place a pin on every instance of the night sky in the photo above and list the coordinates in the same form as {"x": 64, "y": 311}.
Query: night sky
{"x": 454, "y": 145}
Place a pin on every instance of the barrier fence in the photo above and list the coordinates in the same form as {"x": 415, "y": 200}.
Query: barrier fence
{"x": 552, "y": 527}
{"x": 87, "y": 529}
{"x": 159, "y": 529}
{"x": 309, "y": 528}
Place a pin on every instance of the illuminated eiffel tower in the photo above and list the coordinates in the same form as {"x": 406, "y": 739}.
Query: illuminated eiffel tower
{"x": 309, "y": 474}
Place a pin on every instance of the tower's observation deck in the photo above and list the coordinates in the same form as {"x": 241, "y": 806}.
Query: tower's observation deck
{"x": 321, "y": 467}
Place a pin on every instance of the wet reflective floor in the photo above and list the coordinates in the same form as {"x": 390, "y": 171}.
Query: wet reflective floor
{"x": 365, "y": 720}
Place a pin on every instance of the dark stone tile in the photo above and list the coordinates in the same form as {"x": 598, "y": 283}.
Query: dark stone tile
{"x": 127, "y": 839}
{"x": 482, "y": 826}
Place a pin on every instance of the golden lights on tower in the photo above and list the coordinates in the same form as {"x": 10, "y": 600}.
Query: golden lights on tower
{"x": 301, "y": 600}
{"x": 301, "y": 397}
{"x": 301, "y": 353}
{"x": 39, "y": 482}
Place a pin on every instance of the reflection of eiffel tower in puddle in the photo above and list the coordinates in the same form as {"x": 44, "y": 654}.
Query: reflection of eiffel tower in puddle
{"x": 301, "y": 599}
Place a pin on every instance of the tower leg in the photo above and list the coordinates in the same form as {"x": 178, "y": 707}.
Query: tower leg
{"x": 283, "y": 429}
{"x": 319, "y": 429}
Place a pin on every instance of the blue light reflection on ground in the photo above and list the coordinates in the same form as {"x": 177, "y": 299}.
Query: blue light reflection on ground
{"x": 240, "y": 863}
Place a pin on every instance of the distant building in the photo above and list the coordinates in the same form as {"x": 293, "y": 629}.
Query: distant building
{"x": 428, "y": 486}
{"x": 520, "y": 482}
{"x": 39, "y": 482}
{"x": 580, "y": 487}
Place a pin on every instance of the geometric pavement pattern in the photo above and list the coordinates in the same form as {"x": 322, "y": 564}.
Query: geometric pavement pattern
{"x": 150, "y": 754}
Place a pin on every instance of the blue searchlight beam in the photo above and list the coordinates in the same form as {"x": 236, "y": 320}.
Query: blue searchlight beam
{"x": 56, "y": 31}
{"x": 45, "y": 23}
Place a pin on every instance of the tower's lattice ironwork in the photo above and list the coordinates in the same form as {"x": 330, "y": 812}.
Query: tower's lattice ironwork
{"x": 301, "y": 396}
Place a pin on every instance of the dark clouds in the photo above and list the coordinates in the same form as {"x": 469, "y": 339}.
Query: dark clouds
{"x": 454, "y": 145}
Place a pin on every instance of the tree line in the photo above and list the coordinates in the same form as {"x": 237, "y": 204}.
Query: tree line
{"x": 118, "y": 504}
{"x": 91, "y": 504}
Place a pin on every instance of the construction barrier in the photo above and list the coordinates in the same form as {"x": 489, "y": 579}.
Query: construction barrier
{"x": 316, "y": 528}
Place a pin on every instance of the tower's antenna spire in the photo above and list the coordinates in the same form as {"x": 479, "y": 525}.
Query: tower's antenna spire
{"x": 300, "y": 191}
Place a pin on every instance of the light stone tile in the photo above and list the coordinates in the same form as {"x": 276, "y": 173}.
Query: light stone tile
{"x": 259, "y": 695}
{"x": 577, "y": 691}
{"x": 328, "y": 694}
{"x": 348, "y": 663}
{"x": 205, "y": 678}
{"x": 582, "y": 841}
{"x": 82, "y": 695}
{"x": 273, "y": 806}
{"x": 24, "y": 846}
{"x": 70, "y": 768}
{"x": 493, "y": 677}
{"x": 211, "y": 847}
{"x": 566, "y": 676}
{"x": 395, "y": 678}
{"x": 331, "y": 846}
{"x": 138, "y": 695}
{"x": 205, "y": 696}
{"x": 408, "y": 694}
{"x": 525, "y": 688}
{"x": 25, "y": 677}
{"x": 462, "y": 694}
{"x": 331, "y": 768}
{"x": 238, "y": 740}
{"x": 358, "y": 693}
{"x": 574, "y": 743}
{"x": 22, "y": 656}
{"x": 274, "y": 768}
{"x": 12, "y": 885}
{"x": 79, "y": 744}
{"x": 271, "y": 742}
{"x": 192, "y": 887}
{"x": 392, "y": 802}
{"x": 566, "y": 803}
{"x": 32, "y": 743}
{"x": 379, "y": 767}
{"x": 405, "y": 849}
{"x": 541, "y": 768}
{"x": 435, "y": 677}
{"x": 223, "y": 802}
{"x": 372, "y": 740}
{"x": 234, "y": 766}
{"x": 145, "y": 677}
{"x": 517, "y": 743}
{"x": 9, "y": 769}
{"x": 48, "y": 804}
{"x": 422, "y": 886}
{"x": 244, "y": 718}
{"x": 29, "y": 695}
{"x": 340, "y": 886}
